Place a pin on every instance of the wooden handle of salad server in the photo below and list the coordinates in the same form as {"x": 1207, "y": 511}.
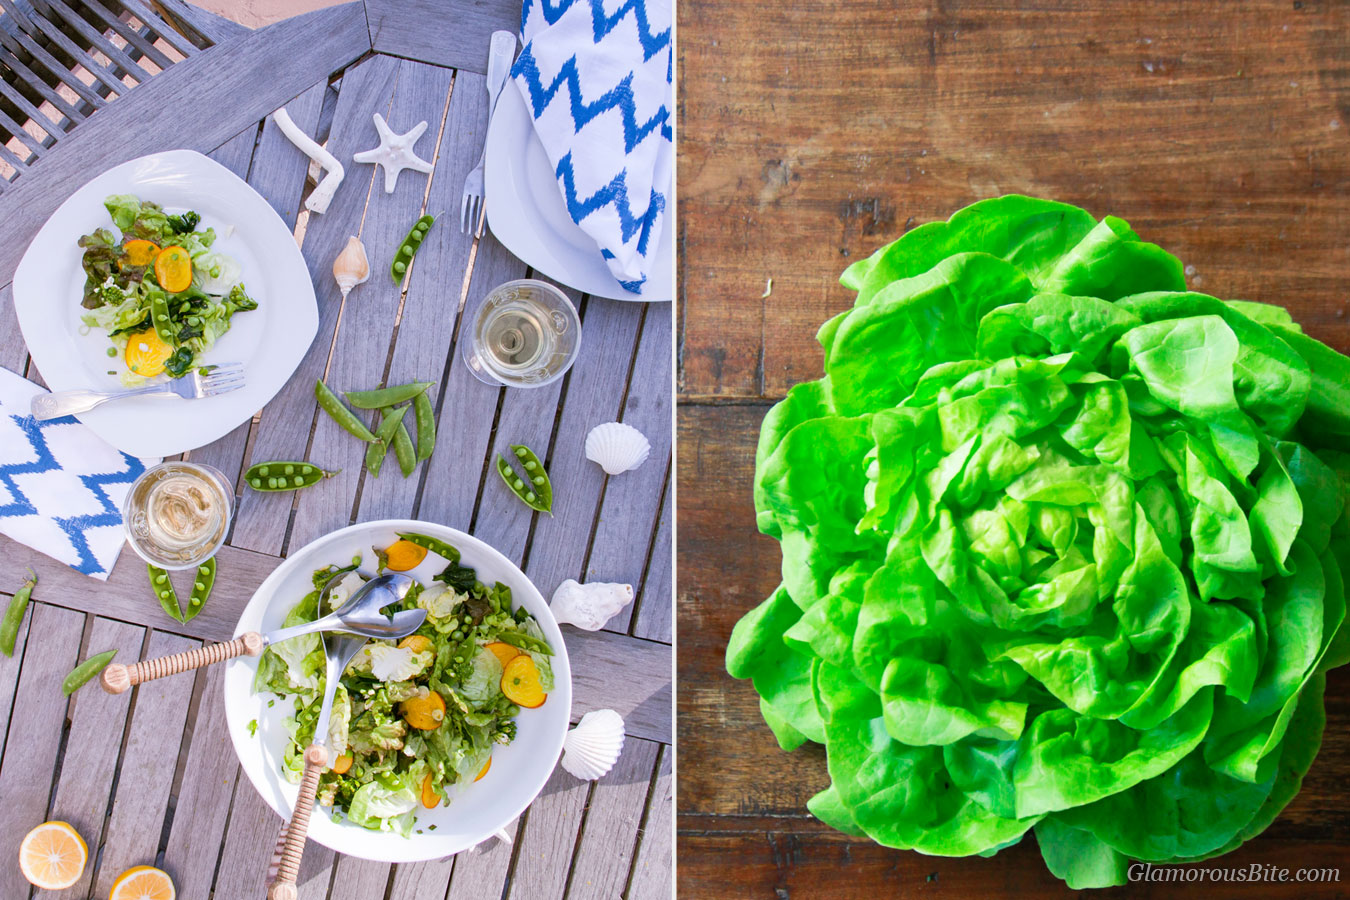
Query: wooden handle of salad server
{"x": 284, "y": 888}
{"x": 117, "y": 678}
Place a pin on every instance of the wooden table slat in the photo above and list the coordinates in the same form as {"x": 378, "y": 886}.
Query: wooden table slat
{"x": 548, "y": 836}
{"x": 9, "y": 670}
{"x": 429, "y": 31}
{"x": 246, "y": 851}
{"x": 629, "y": 516}
{"x": 283, "y": 431}
{"x": 654, "y": 616}
{"x": 153, "y": 739}
{"x": 198, "y": 829}
{"x": 604, "y": 856}
{"x": 652, "y": 869}
{"x": 360, "y": 349}
{"x": 479, "y": 871}
{"x": 358, "y": 879}
{"x": 97, "y": 723}
{"x": 31, "y": 749}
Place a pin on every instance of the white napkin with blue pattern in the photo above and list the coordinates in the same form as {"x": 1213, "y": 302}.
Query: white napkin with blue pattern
{"x": 61, "y": 486}
{"x": 596, "y": 76}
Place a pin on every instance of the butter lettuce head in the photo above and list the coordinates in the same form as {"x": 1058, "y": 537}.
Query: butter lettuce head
{"x": 1062, "y": 549}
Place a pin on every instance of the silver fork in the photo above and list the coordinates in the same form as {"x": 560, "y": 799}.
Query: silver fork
{"x": 220, "y": 379}
{"x": 501, "y": 51}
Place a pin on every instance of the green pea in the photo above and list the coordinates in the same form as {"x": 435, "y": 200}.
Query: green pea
{"x": 400, "y": 267}
{"x": 112, "y": 351}
{"x": 269, "y": 476}
{"x": 538, "y": 479}
{"x": 529, "y": 497}
{"x": 531, "y": 466}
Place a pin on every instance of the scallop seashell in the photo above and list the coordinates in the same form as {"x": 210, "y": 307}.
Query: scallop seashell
{"x": 589, "y": 606}
{"x": 351, "y": 266}
{"x": 592, "y": 748}
{"x": 617, "y": 447}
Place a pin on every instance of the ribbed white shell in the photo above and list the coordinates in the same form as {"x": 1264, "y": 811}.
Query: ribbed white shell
{"x": 617, "y": 447}
{"x": 589, "y": 606}
{"x": 591, "y": 749}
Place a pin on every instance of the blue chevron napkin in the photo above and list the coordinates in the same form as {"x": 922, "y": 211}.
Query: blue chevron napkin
{"x": 61, "y": 486}
{"x": 596, "y": 75}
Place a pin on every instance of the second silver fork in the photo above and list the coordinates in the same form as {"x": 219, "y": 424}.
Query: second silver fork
{"x": 220, "y": 379}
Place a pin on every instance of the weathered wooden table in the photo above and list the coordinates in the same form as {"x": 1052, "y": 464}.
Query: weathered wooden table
{"x": 149, "y": 776}
{"x": 813, "y": 132}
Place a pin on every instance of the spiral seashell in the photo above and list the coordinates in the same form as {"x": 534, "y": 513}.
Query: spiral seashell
{"x": 589, "y": 606}
{"x": 617, "y": 447}
{"x": 592, "y": 748}
{"x": 351, "y": 266}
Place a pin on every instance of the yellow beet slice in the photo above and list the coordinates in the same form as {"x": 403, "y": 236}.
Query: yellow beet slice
{"x": 173, "y": 269}
{"x": 520, "y": 683}
{"x": 141, "y": 252}
{"x": 342, "y": 764}
{"x": 483, "y": 771}
{"x": 416, "y": 643}
{"x": 503, "y": 651}
{"x": 424, "y": 713}
{"x": 429, "y": 798}
{"x": 146, "y": 353}
{"x": 404, "y": 555}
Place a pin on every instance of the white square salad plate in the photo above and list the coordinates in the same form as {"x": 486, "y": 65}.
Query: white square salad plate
{"x": 527, "y": 214}
{"x": 270, "y": 341}
{"x": 479, "y": 809}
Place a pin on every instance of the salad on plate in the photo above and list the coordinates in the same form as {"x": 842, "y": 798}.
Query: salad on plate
{"x": 414, "y": 720}
{"x": 158, "y": 289}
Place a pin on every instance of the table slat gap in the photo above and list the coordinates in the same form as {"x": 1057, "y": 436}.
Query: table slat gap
{"x": 651, "y": 875}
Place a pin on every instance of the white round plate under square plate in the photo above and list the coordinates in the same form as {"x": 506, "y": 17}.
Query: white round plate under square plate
{"x": 270, "y": 341}
{"x": 519, "y": 770}
{"x": 526, "y": 212}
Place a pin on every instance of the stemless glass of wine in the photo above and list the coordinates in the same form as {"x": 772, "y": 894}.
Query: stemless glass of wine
{"x": 525, "y": 333}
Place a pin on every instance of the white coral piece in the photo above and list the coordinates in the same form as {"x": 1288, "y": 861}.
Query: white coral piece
{"x": 322, "y": 194}
{"x": 395, "y": 152}
{"x": 592, "y": 748}
{"x": 589, "y": 606}
{"x": 617, "y": 447}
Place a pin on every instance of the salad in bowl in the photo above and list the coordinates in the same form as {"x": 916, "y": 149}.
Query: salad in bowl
{"x": 437, "y": 740}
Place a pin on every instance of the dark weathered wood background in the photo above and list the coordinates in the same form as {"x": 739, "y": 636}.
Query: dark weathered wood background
{"x": 813, "y": 132}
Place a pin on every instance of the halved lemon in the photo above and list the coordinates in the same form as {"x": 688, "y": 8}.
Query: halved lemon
{"x": 53, "y": 856}
{"x": 143, "y": 883}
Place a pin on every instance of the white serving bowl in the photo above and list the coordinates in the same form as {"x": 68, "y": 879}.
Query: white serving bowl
{"x": 518, "y": 771}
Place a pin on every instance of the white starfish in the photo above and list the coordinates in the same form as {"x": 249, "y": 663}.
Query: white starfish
{"x": 395, "y": 152}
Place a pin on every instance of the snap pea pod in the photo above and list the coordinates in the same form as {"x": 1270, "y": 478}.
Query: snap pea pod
{"x": 535, "y": 490}
{"x": 9, "y": 625}
{"x": 330, "y": 404}
{"x": 403, "y": 450}
{"x": 388, "y": 396}
{"x": 86, "y": 670}
{"x": 283, "y": 475}
{"x": 408, "y": 248}
{"x": 201, "y": 588}
{"x": 159, "y": 316}
{"x": 434, "y": 545}
{"x": 163, "y": 588}
{"x": 384, "y": 436}
{"x": 426, "y": 425}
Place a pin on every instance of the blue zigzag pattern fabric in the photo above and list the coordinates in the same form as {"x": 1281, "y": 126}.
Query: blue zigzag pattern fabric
{"x": 61, "y": 487}
{"x": 597, "y": 79}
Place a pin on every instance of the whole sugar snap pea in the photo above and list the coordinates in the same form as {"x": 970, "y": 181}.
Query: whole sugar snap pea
{"x": 387, "y": 396}
{"x": 435, "y": 545}
{"x": 80, "y": 675}
{"x": 285, "y": 475}
{"x": 403, "y": 450}
{"x": 426, "y": 425}
{"x": 534, "y": 490}
{"x": 384, "y": 437}
{"x": 406, "y": 250}
{"x": 9, "y": 625}
{"x": 164, "y": 592}
{"x": 201, "y": 588}
{"x": 330, "y": 404}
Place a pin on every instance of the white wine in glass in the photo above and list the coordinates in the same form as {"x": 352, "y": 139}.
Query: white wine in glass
{"x": 526, "y": 333}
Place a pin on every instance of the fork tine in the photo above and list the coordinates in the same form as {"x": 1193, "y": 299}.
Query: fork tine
{"x": 464, "y": 201}
{"x": 224, "y": 380}
{"x": 214, "y": 390}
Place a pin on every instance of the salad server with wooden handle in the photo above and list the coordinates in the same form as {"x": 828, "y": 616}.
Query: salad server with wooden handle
{"x": 362, "y": 614}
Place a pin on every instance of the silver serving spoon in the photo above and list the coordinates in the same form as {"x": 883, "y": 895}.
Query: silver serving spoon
{"x": 362, "y": 614}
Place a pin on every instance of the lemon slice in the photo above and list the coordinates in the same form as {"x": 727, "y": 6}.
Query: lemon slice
{"x": 143, "y": 883}
{"x": 53, "y": 856}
